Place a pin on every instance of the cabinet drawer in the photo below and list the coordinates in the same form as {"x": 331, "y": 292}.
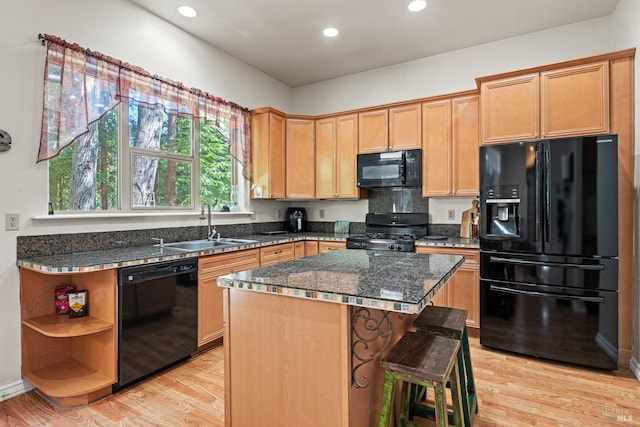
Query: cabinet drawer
{"x": 276, "y": 253}
{"x": 230, "y": 262}
{"x": 471, "y": 256}
{"x": 330, "y": 246}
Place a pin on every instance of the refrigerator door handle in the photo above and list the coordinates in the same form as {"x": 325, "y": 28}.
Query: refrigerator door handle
{"x": 545, "y": 264}
{"x": 544, "y": 294}
{"x": 547, "y": 181}
{"x": 537, "y": 193}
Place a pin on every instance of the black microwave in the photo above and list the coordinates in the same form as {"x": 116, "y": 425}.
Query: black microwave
{"x": 390, "y": 169}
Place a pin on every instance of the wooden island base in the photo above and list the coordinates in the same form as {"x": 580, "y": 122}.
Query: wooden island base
{"x": 288, "y": 361}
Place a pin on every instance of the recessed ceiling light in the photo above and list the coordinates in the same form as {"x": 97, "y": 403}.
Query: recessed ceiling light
{"x": 417, "y": 5}
{"x": 330, "y": 32}
{"x": 187, "y": 11}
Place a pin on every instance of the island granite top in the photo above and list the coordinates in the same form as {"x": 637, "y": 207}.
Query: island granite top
{"x": 385, "y": 280}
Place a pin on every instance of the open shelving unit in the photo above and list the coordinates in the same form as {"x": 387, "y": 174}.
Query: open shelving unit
{"x": 72, "y": 361}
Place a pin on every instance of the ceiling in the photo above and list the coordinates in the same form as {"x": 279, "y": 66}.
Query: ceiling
{"x": 283, "y": 38}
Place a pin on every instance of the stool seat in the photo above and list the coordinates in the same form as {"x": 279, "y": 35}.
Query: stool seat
{"x": 423, "y": 360}
{"x": 428, "y": 357}
{"x": 449, "y": 322}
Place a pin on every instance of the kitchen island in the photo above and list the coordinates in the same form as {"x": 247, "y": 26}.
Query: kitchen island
{"x": 303, "y": 338}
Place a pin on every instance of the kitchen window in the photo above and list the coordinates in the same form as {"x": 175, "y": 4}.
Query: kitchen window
{"x": 118, "y": 139}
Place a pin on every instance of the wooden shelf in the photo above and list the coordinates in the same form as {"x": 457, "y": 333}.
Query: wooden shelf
{"x": 61, "y": 326}
{"x": 69, "y": 378}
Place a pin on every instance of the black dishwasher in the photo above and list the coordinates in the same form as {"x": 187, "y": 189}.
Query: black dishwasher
{"x": 157, "y": 317}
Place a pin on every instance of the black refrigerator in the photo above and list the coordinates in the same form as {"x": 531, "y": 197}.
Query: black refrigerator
{"x": 549, "y": 247}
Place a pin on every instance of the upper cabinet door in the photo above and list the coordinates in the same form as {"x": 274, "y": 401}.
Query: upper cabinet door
{"x": 373, "y": 131}
{"x": 510, "y": 109}
{"x": 465, "y": 146}
{"x": 575, "y": 100}
{"x": 326, "y": 158}
{"x": 405, "y": 130}
{"x": 346, "y": 152}
{"x": 268, "y": 154}
{"x": 300, "y": 167}
{"x": 436, "y": 154}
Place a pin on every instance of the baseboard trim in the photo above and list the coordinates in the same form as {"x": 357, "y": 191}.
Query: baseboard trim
{"x": 14, "y": 389}
{"x": 634, "y": 366}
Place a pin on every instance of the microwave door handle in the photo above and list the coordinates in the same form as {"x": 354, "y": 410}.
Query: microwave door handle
{"x": 402, "y": 175}
{"x": 545, "y": 264}
{"x": 544, "y": 294}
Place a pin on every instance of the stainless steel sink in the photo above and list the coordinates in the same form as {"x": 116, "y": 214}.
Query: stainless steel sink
{"x": 201, "y": 245}
{"x": 235, "y": 241}
{"x": 196, "y": 245}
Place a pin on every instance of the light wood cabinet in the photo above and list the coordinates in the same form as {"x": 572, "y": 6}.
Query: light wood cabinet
{"x": 268, "y": 153}
{"x": 326, "y": 246}
{"x": 300, "y": 159}
{"x": 564, "y": 102}
{"x": 436, "y": 156}
{"x": 463, "y": 289}
{"x": 73, "y": 361}
{"x": 405, "y": 130}
{"x": 274, "y": 254}
{"x": 575, "y": 101}
{"x": 210, "y": 318}
{"x": 336, "y": 150}
{"x": 373, "y": 131}
{"x": 390, "y": 129}
{"x": 451, "y": 147}
{"x": 298, "y": 249}
{"x": 310, "y": 247}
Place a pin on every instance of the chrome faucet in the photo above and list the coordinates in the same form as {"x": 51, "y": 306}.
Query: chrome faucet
{"x": 208, "y": 218}
{"x": 211, "y": 234}
{"x": 159, "y": 240}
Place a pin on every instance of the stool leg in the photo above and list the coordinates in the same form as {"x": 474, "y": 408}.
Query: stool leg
{"x": 464, "y": 387}
{"x": 459, "y": 415}
{"x": 405, "y": 404}
{"x": 468, "y": 373}
{"x": 388, "y": 396}
{"x": 441, "y": 405}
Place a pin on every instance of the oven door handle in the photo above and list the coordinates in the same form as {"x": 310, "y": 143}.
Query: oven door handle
{"x": 544, "y": 294}
{"x": 545, "y": 264}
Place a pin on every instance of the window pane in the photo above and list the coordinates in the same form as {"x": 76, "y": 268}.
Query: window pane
{"x": 215, "y": 166}
{"x": 84, "y": 176}
{"x": 153, "y": 129}
{"x": 161, "y": 182}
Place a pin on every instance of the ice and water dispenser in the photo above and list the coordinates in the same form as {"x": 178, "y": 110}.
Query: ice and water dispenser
{"x": 502, "y": 210}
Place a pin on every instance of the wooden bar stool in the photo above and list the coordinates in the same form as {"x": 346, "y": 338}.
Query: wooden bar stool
{"x": 428, "y": 361}
{"x": 451, "y": 323}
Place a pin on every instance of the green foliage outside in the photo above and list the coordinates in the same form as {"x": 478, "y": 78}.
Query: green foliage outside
{"x": 172, "y": 178}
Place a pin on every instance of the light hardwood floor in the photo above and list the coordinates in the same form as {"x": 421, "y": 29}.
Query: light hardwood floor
{"x": 512, "y": 391}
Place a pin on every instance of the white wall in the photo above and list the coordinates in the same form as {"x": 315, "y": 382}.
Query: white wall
{"x": 626, "y": 33}
{"x": 122, "y": 30}
{"x": 454, "y": 71}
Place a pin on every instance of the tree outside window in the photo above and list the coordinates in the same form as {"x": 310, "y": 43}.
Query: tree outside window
{"x": 161, "y": 150}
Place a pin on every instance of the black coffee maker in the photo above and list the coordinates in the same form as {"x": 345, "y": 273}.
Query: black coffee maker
{"x": 296, "y": 219}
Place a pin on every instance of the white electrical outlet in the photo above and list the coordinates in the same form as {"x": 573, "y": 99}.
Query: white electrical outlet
{"x": 321, "y": 213}
{"x": 12, "y": 221}
{"x": 451, "y": 215}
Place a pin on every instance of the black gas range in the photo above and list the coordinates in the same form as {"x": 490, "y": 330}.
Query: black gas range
{"x": 390, "y": 232}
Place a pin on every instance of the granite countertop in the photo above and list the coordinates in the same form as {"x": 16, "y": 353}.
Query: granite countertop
{"x": 123, "y": 257}
{"x": 450, "y": 242}
{"x": 386, "y": 280}
{"x": 79, "y": 262}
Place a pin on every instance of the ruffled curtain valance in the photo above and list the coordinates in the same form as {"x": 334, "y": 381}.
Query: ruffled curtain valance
{"x": 81, "y": 86}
